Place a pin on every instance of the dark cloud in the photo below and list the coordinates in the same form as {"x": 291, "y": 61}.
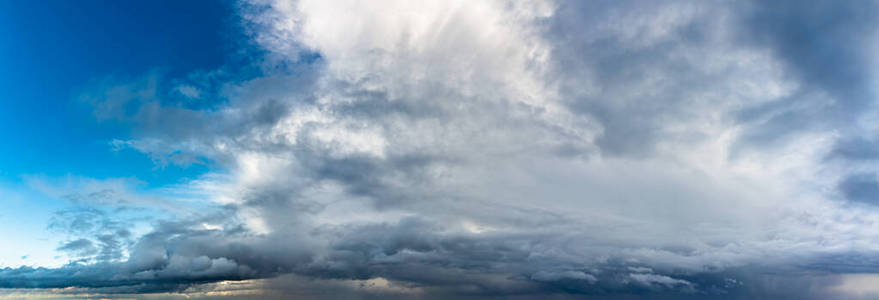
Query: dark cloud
{"x": 633, "y": 79}
{"x": 175, "y": 257}
{"x": 605, "y": 168}
{"x": 856, "y": 150}
{"x": 823, "y": 45}
{"x": 861, "y": 188}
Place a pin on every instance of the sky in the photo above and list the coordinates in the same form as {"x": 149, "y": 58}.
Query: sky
{"x": 391, "y": 149}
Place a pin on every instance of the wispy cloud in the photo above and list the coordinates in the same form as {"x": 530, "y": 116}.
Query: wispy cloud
{"x": 680, "y": 149}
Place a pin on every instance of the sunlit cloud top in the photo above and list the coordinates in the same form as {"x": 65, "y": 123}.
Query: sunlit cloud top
{"x": 442, "y": 149}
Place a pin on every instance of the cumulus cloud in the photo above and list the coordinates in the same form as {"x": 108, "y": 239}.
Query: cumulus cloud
{"x": 684, "y": 149}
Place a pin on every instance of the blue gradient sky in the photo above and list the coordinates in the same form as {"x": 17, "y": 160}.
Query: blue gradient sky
{"x": 51, "y": 52}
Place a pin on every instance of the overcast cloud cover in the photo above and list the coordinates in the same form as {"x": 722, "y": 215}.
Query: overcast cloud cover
{"x": 525, "y": 149}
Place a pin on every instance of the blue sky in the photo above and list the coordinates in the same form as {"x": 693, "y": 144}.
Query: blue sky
{"x": 396, "y": 149}
{"x": 54, "y": 51}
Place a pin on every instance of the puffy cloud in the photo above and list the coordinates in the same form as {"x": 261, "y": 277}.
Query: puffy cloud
{"x": 682, "y": 149}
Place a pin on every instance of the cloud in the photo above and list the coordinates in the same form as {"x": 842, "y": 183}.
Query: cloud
{"x": 682, "y": 149}
{"x": 82, "y": 247}
{"x": 189, "y": 91}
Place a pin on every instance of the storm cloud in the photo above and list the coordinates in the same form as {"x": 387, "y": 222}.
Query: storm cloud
{"x": 606, "y": 149}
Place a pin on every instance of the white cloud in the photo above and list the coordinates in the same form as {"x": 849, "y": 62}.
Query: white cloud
{"x": 535, "y": 141}
{"x": 188, "y": 91}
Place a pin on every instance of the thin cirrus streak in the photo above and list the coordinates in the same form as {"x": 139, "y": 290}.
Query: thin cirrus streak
{"x": 596, "y": 149}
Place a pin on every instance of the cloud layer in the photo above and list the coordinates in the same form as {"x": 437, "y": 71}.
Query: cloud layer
{"x": 682, "y": 149}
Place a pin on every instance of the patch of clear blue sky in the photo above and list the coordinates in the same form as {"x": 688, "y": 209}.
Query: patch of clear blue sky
{"x": 51, "y": 50}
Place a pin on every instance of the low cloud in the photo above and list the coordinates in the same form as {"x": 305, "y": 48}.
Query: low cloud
{"x": 614, "y": 150}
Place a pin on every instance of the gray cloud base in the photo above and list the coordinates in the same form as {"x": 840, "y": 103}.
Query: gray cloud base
{"x": 680, "y": 150}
